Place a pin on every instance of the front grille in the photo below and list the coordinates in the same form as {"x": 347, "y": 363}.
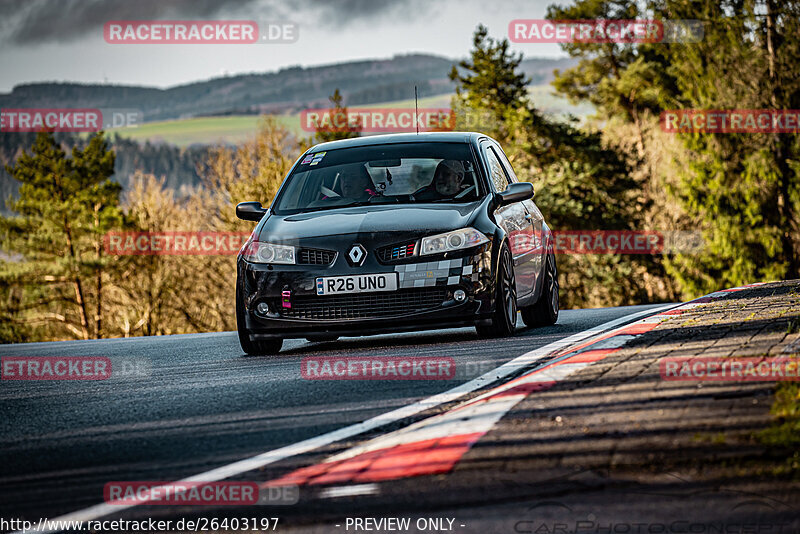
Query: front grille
{"x": 396, "y": 252}
{"x": 365, "y": 306}
{"x": 315, "y": 256}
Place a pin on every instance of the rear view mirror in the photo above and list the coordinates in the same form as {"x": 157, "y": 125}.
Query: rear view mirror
{"x": 384, "y": 163}
{"x": 516, "y": 192}
{"x": 250, "y": 211}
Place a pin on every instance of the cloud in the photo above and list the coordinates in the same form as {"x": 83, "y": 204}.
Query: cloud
{"x": 46, "y": 21}
{"x": 341, "y": 12}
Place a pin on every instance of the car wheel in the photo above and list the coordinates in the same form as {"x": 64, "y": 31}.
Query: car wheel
{"x": 545, "y": 311}
{"x": 504, "y": 317}
{"x": 250, "y": 347}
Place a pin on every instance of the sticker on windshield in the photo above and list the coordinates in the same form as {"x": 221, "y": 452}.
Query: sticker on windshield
{"x": 317, "y": 158}
{"x": 307, "y": 159}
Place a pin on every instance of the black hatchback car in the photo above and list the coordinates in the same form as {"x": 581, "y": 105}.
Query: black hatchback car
{"x": 395, "y": 233}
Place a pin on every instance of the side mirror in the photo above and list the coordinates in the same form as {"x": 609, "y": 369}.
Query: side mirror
{"x": 516, "y": 192}
{"x": 250, "y": 211}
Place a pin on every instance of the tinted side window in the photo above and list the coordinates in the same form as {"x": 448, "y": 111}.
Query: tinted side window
{"x": 496, "y": 172}
{"x": 507, "y": 164}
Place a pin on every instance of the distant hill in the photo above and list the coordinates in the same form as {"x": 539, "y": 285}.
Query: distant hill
{"x": 186, "y": 119}
{"x": 235, "y": 129}
{"x": 177, "y": 165}
{"x": 288, "y": 90}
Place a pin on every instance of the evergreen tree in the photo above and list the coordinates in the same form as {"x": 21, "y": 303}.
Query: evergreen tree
{"x": 581, "y": 182}
{"x": 54, "y": 239}
{"x": 338, "y": 115}
{"x": 488, "y": 81}
{"x": 740, "y": 190}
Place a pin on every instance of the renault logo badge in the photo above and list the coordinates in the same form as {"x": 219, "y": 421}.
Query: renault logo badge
{"x": 357, "y": 255}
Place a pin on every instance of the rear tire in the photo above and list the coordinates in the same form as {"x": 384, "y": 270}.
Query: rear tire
{"x": 253, "y": 348}
{"x": 545, "y": 311}
{"x": 504, "y": 318}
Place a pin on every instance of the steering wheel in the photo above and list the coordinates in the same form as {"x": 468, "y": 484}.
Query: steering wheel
{"x": 382, "y": 199}
{"x": 330, "y": 193}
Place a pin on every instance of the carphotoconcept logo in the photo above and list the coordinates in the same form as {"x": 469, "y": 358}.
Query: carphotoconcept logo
{"x": 553, "y": 517}
{"x": 200, "y": 32}
{"x": 605, "y": 31}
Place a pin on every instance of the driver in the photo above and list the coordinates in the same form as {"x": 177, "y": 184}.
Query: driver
{"x": 447, "y": 180}
{"x": 355, "y": 183}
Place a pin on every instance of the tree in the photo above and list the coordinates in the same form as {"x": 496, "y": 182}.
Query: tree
{"x": 741, "y": 190}
{"x": 55, "y": 239}
{"x": 488, "y": 84}
{"x": 582, "y": 182}
{"x": 622, "y": 80}
{"x": 147, "y": 287}
{"x": 338, "y": 115}
{"x": 251, "y": 171}
{"x": 56, "y": 280}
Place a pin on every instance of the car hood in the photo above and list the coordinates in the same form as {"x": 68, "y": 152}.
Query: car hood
{"x": 409, "y": 220}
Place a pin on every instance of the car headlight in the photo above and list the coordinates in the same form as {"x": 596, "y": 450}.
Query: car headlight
{"x": 455, "y": 240}
{"x": 258, "y": 252}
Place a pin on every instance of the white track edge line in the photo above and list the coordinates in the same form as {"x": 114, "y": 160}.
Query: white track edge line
{"x": 308, "y": 445}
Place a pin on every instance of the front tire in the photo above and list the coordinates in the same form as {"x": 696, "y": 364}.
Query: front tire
{"x": 250, "y": 347}
{"x": 545, "y": 311}
{"x": 261, "y": 347}
{"x": 504, "y": 318}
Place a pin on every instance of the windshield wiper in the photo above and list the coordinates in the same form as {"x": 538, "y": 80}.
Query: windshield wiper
{"x": 358, "y": 203}
{"x": 371, "y": 200}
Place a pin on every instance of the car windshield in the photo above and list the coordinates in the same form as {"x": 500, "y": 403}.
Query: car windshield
{"x": 381, "y": 174}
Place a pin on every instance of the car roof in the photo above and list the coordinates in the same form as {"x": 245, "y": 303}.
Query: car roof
{"x": 427, "y": 137}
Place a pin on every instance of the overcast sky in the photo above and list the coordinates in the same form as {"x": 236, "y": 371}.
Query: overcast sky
{"x": 62, "y": 40}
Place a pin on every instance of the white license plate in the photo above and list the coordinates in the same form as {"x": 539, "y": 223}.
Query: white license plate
{"x": 360, "y": 283}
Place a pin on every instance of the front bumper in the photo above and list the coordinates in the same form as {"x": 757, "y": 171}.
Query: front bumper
{"x": 424, "y": 298}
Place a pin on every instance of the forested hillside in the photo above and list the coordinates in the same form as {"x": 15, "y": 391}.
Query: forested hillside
{"x": 285, "y": 91}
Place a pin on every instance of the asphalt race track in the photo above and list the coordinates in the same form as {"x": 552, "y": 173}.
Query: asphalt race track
{"x": 197, "y": 403}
